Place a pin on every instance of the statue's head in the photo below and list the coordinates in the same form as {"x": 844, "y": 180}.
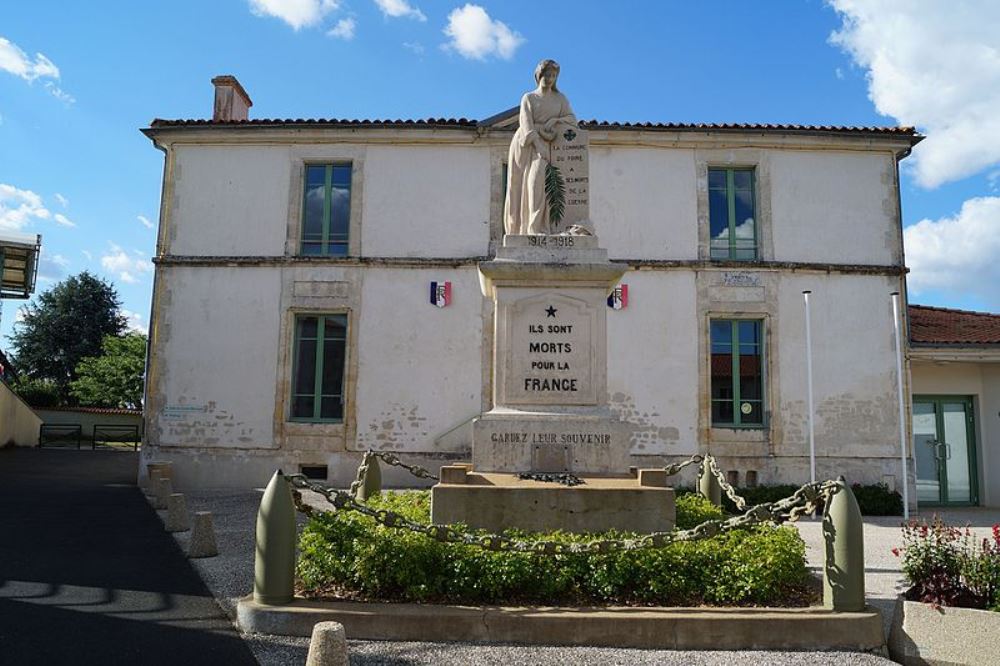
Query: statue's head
{"x": 547, "y": 68}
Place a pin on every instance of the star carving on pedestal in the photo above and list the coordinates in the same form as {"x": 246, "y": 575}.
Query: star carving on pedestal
{"x": 550, "y": 311}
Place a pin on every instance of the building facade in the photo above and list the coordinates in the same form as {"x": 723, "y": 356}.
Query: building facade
{"x": 317, "y": 294}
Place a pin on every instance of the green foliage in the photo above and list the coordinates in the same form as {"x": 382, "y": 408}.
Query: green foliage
{"x": 949, "y": 566}
{"x": 115, "y": 378}
{"x": 873, "y": 500}
{"x": 555, "y": 193}
{"x": 351, "y": 556}
{"x": 693, "y": 509}
{"x": 64, "y": 325}
{"x": 38, "y": 393}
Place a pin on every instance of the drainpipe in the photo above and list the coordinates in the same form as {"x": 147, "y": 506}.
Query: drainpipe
{"x": 902, "y": 404}
{"x": 809, "y": 390}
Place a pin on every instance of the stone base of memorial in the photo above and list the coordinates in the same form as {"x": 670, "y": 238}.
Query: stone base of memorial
{"x": 551, "y": 412}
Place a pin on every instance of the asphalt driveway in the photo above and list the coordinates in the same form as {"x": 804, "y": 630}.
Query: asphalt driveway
{"x": 87, "y": 574}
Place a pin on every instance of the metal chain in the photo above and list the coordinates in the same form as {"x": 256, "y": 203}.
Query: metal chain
{"x": 713, "y": 468}
{"x": 393, "y": 459}
{"x": 675, "y": 468}
{"x": 801, "y": 502}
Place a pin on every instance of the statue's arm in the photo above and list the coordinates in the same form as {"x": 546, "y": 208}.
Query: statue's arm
{"x": 565, "y": 116}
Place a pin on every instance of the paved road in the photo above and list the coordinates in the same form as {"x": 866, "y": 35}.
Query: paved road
{"x": 87, "y": 574}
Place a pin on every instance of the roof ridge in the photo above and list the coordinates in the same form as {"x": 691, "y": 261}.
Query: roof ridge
{"x": 953, "y": 310}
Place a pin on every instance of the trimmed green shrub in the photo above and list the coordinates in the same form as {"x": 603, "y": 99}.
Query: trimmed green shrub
{"x": 348, "y": 555}
{"x": 693, "y": 509}
{"x": 873, "y": 500}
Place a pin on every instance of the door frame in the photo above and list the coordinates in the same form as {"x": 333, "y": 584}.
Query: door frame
{"x": 973, "y": 442}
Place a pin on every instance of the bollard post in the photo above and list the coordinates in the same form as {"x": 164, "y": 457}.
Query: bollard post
{"x": 177, "y": 515}
{"x": 328, "y": 645}
{"x": 274, "y": 566}
{"x": 162, "y": 489}
{"x": 154, "y": 469}
{"x": 203, "y": 536}
{"x": 844, "y": 569}
{"x": 708, "y": 485}
{"x": 371, "y": 478}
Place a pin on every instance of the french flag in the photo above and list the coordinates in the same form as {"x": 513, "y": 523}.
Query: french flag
{"x": 440, "y": 294}
{"x": 618, "y": 299}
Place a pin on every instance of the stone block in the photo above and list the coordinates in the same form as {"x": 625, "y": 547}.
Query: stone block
{"x": 328, "y": 645}
{"x": 177, "y": 515}
{"x": 203, "y": 536}
{"x": 453, "y": 474}
{"x": 653, "y": 478}
{"x": 496, "y": 502}
{"x": 162, "y": 489}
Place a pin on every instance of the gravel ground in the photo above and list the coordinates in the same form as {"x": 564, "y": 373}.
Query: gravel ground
{"x": 230, "y": 576}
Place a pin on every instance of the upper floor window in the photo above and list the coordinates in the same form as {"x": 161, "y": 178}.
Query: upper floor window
{"x": 318, "y": 374}
{"x": 327, "y": 209}
{"x": 731, "y": 212}
{"x": 737, "y": 372}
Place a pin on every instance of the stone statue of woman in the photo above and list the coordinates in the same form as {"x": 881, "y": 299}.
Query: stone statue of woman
{"x": 544, "y": 112}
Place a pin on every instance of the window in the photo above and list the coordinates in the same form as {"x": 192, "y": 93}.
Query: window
{"x": 318, "y": 375}
{"x": 731, "y": 210}
{"x": 326, "y": 209}
{"x": 737, "y": 372}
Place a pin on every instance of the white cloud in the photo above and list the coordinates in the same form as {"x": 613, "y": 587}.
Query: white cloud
{"x": 87, "y": 254}
{"x": 60, "y": 260}
{"x": 52, "y": 268}
{"x": 19, "y": 207}
{"x": 19, "y": 314}
{"x": 415, "y": 47}
{"x": 145, "y": 221}
{"x": 19, "y": 63}
{"x": 296, "y": 13}
{"x": 135, "y": 322}
{"x": 63, "y": 220}
{"x": 59, "y": 93}
{"x": 63, "y": 201}
{"x": 934, "y": 65}
{"x": 128, "y": 268}
{"x": 343, "y": 30}
{"x": 399, "y": 9}
{"x": 476, "y": 36}
{"x": 957, "y": 254}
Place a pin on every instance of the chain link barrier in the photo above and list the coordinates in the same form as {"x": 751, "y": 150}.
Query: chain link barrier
{"x": 710, "y": 466}
{"x": 393, "y": 459}
{"x": 802, "y": 502}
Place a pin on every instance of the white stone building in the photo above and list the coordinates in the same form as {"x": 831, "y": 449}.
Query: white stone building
{"x": 292, "y": 324}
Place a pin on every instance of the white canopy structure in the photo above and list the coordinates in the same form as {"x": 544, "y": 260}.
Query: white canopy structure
{"x": 18, "y": 264}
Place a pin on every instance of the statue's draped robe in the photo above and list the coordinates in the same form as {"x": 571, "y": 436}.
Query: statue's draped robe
{"x": 526, "y": 209}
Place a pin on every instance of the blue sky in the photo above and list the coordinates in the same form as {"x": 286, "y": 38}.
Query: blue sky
{"x": 78, "y": 80}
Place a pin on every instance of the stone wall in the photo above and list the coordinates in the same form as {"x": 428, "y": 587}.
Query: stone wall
{"x": 18, "y": 424}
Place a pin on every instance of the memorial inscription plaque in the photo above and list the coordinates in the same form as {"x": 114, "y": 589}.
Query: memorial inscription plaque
{"x": 569, "y": 154}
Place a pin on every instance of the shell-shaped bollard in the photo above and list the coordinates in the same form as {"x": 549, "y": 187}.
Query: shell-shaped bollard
{"x": 844, "y": 569}
{"x": 177, "y": 515}
{"x": 274, "y": 566}
{"x": 709, "y": 486}
{"x": 203, "y": 536}
{"x": 328, "y": 645}
{"x": 371, "y": 483}
{"x": 162, "y": 489}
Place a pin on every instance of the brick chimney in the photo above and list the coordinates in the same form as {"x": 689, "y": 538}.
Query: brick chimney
{"x": 231, "y": 101}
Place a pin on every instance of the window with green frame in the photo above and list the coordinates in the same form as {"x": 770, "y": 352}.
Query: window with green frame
{"x": 731, "y": 214}
{"x": 737, "y": 372}
{"x": 326, "y": 210}
{"x": 318, "y": 369}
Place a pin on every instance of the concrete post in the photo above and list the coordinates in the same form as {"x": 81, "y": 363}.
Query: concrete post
{"x": 708, "y": 485}
{"x": 203, "y": 536}
{"x": 162, "y": 489}
{"x": 274, "y": 566}
{"x": 371, "y": 484}
{"x": 328, "y": 645}
{"x": 844, "y": 570}
{"x": 177, "y": 515}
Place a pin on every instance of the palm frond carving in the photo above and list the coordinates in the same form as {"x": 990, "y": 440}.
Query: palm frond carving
{"x": 555, "y": 193}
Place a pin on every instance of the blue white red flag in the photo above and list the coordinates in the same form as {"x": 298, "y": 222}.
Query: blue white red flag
{"x": 618, "y": 299}
{"x": 440, "y": 294}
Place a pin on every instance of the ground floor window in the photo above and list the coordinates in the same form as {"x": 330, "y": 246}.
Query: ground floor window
{"x": 737, "y": 372}
{"x": 318, "y": 376}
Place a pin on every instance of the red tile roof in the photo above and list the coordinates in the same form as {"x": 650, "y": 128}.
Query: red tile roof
{"x": 465, "y": 123}
{"x": 92, "y": 410}
{"x": 945, "y": 326}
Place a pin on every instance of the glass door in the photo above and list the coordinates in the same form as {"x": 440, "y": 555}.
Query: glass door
{"x": 944, "y": 449}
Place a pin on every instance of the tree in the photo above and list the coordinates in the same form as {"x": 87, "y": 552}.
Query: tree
{"x": 115, "y": 378}
{"x": 64, "y": 325}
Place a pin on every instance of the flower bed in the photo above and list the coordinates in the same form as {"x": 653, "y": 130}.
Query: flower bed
{"x": 348, "y": 556}
{"x": 948, "y": 566}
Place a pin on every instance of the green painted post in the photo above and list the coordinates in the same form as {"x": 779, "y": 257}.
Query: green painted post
{"x": 844, "y": 570}
{"x": 274, "y": 566}
{"x": 371, "y": 484}
{"x": 708, "y": 485}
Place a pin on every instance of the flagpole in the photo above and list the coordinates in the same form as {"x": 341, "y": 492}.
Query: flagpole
{"x": 809, "y": 391}
{"x": 902, "y": 404}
